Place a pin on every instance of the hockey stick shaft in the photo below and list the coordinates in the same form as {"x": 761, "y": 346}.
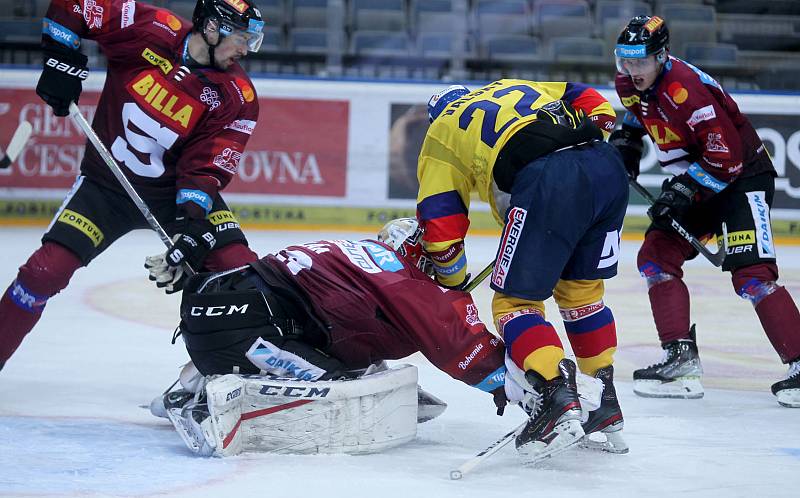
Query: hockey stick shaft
{"x": 84, "y": 125}
{"x": 17, "y": 143}
{"x": 480, "y": 277}
{"x": 486, "y": 453}
{"x": 716, "y": 259}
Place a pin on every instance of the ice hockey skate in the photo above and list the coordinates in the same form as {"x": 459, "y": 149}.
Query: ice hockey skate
{"x": 555, "y": 424}
{"x": 788, "y": 390}
{"x": 677, "y": 375}
{"x": 604, "y": 427}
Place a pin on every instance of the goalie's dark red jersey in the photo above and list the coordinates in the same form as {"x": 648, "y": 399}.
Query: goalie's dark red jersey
{"x": 379, "y": 307}
{"x": 170, "y": 129}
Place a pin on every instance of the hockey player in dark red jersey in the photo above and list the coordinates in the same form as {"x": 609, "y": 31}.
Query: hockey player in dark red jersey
{"x": 176, "y": 112}
{"x": 342, "y": 305}
{"x": 723, "y": 174}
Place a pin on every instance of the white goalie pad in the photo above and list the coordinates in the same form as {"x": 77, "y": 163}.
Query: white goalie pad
{"x": 276, "y": 415}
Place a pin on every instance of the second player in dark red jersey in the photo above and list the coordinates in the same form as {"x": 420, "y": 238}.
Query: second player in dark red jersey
{"x": 176, "y": 112}
{"x": 723, "y": 174}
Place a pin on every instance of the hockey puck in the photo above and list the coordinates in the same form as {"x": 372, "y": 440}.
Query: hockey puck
{"x": 455, "y": 475}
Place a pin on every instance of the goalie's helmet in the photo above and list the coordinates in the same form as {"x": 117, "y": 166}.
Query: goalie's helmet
{"x": 643, "y": 36}
{"x": 232, "y": 16}
{"x": 404, "y": 235}
{"x": 440, "y": 100}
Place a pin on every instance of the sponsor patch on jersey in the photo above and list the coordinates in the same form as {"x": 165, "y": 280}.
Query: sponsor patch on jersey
{"x": 715, "y": 143}
{"x": 197, "y": 196}
{"x": 248, "y": 94}
{"x": 161, "y": 62}
{"x": 677, "y": 92}
{"x": 239, "y": 5}
{"x": 760, "y": 210}
{"x": 653, "y": 24}
{"x": 508, "y": 245}
{"x": 83, "y": 224}
{"x": 165, "y": 102}
{"x": 61, "y": 34}
{"x": 357, "y": 255}
{"x": 245, "y": 126}
{"x": 228, "y": 156}
{"x": 210, "y": 97}
{"x": 220, "y": 217}
{"x": 662, "y": 134}
{"x": 493, "y": 380}
{"x": 704, "y": 179}
{"x": 127, "y": 14}
{"x": 629, "y": 101}
{"x": 93, "y": 14}
{"x": 385, "y": 258}
{"x": 167, "y": 21}
{"x": 741, "y": 238}
{"x": 703, "y": 114}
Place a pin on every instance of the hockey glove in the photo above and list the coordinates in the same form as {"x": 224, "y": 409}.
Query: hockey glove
{"x": 62, "y": 78}
{"x": 500, "y": 399}
{"x": 677, "y": 195}
{"x": 190, "y": 247}
{"x": 630, "y": 145}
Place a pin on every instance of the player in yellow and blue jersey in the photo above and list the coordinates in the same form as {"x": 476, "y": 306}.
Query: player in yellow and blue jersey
{"x": 535, "y": 152}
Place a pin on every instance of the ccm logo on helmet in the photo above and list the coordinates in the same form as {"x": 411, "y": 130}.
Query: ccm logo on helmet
{"x": 66, "y": 68}
{"x": 219, "y": 310}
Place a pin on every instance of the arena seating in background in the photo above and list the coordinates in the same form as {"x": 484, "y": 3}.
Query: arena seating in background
{"x": 748, "y": 43}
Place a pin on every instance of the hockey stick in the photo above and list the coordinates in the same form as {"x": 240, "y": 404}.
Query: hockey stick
{"x": 84, "y": 125}
{"x": 18, "y": 141}
{"x": 480, "y": 277}
{"x": 486, "y": 453}
{"x": 716, "y": 258}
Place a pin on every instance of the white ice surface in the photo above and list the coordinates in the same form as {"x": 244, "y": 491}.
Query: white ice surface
{"x": 71, "y": 425}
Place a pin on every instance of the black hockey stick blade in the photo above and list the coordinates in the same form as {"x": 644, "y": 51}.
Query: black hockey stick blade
{"x": 18, "y": 141}
{"x": 715, "y": 258}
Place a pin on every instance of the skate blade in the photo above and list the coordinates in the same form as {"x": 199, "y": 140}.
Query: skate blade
{"x": 569, "y": 433}
{"x": 608, "y": 441}
{"x": 790, "y": 398}
{"x": 680, "y": 388}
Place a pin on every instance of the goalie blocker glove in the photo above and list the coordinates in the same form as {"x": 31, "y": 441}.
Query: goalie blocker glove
{"x": 62, "y": 78}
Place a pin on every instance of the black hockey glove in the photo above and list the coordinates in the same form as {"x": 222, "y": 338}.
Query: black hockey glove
{"x": 62, "y": 78}
{"x": 677, "y": 195}
{"x": 500, "y": 399}
{"x": 630, "y": 145}
{"x": 191, "y": 245}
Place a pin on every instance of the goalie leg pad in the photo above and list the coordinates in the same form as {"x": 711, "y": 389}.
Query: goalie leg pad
{"x": 274, "y": 415}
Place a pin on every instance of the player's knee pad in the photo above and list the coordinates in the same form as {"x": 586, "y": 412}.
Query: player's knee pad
{"x": 570, "y": 294}
{"x": 755, "y": 282}
{"x": 45, "y": 274}
{"x": 661, "y": 257}
{"x": 531, "y": 341}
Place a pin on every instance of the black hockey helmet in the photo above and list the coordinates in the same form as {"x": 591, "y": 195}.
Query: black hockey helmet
{"x": 643, "y": 36}
{"x": 231, "y": 15}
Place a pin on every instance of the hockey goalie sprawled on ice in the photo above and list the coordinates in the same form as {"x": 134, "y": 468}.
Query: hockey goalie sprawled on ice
{"x": 299, "y": 338}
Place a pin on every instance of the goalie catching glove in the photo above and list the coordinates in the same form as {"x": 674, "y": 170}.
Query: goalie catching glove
{"x": 190, "y": 247}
